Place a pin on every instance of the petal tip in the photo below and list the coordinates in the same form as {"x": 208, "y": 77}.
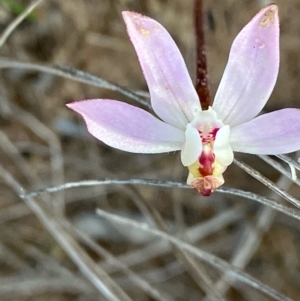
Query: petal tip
{"x": 138, "y": 23}
{"x": 269, "y": 15}
{"x": 128, "y": 14}
{"x": 73, "y": 105}
{"x": 83, "y": 105}
{"x": 132, "y": 16}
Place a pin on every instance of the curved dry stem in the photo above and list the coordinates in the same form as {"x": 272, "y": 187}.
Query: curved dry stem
{"x": 76, "y": 75}
{"x": 167, "y": 184}
{"x": 193, "y": 234}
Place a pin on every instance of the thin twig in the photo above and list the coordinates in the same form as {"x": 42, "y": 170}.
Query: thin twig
{"x": 276, "y": 165}
{"x": 289, "y": 161}
{"x": 88, "y": 183}
{"x": 166, "y": 184}
{"x": 258, "y": 176}
{"x": 295, "y": 213}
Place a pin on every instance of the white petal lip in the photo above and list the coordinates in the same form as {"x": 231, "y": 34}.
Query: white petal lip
{"x": 192, "y": 147}
{"x": 251, "y": 71}
{"x": 222, "y": 148}
{"x": 270, "y": 134}
{"x": 173, "y": 96}
{"x": 128, "y": 128}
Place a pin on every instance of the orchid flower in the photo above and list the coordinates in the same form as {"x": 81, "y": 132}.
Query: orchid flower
{"x": 206, "y": 138}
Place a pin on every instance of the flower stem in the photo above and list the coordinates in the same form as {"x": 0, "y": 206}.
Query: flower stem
{"x": 201, "y": 73}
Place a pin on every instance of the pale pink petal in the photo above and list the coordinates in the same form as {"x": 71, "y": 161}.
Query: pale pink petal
{"x": 128, "y": 128}
{"x": 192, "y": 147}
{"x": 270, "y": 134}
{"x": 173, "y": 96}
{"x": 252, "y": 69}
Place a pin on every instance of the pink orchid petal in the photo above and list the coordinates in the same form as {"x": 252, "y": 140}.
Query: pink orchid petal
{"x": 270, "y": 134}
{"x": 173, "y": 96}
{"x": 128, "y": 128}
{"x": 252, "y": 69}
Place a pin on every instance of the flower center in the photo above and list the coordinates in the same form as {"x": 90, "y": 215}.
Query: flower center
{"x": 206, "y": 152}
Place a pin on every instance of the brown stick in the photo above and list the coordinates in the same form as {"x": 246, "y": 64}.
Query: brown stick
{"x": 201, "y": 73}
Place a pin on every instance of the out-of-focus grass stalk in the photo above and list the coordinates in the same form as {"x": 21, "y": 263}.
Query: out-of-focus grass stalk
{"x": 11, "y": 27}
{"x": 211, "y": 259}
{"x": 98, "y": 277}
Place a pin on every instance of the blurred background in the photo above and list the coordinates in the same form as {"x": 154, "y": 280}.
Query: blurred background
{"x": 55, "y": 246}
